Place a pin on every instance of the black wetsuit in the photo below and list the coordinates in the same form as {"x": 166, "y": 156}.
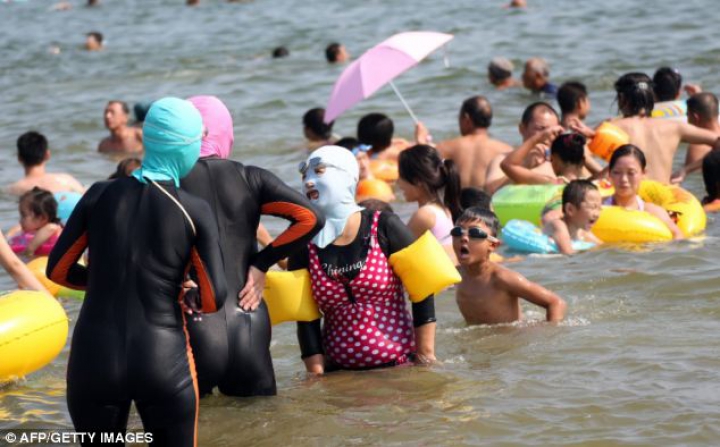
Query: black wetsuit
{"x": 346, "y": 261}
{"x": 130, "y": 342}
{"x": 232, "y": 348}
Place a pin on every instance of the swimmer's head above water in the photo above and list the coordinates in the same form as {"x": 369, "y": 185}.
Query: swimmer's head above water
{"x": 172, "y": 135}
{"x": 635, "y": 96}
{"x": 330, "y": 176}
{"x": 219, "y": 133}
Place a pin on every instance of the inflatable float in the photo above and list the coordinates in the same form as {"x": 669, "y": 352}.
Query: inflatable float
{"x": 33, "y": 331}
{"x": 386, "y": 170}
{"x": 372, "y": 188}
{"x": 608, "y": 137}
{"x": 524, "y": 202}
{"x": 617, "y": 224}
{"x": 38, "y": 266}
{"x": 289, "y": 297}
{"x": 524, "y": 237}
{"x": 66, "y": 204}
{"x": 673, "y": 110}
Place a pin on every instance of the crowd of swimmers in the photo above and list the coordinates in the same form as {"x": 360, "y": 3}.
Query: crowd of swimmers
{"x": 174, "y": 294}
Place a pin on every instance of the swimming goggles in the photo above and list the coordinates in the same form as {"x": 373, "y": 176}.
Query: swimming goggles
{"x": 473, "y": 233}
{"x": 361, "y": 148}
{"x": 314, "y": 163}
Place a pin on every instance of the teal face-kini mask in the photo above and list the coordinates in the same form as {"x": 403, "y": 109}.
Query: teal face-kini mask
{"x": 336, "y": 189}
{"x": 172, "y": 134}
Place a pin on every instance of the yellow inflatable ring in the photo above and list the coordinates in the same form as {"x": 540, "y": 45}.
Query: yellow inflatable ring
{"x": 289, "y": 297}
{"x": 424, "y": 268}
{"x": 620, "y": 225}
{"x": 38, "y": 266}
{"x": 33, "y": 331}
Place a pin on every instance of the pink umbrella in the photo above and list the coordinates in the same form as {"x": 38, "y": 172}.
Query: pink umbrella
{"x": 379, "y": 66}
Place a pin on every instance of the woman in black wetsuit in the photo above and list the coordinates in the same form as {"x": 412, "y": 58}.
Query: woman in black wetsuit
{"x": 366, "y": 322}
{"x": 143, "y": 233}
{"x": 232, "y": 348}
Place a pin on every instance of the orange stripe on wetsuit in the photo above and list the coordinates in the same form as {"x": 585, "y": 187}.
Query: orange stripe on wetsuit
{"x": 59, "y": 273}
{"x": 303, "y": 219}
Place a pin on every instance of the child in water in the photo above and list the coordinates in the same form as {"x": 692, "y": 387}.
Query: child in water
{"x": 711, "y": 177}
{"x": 39, "y": 226}
{"x": 581, "y": 206}
{"x": 488, "y": 292}
{"x": 627, "y": 170}
{"x": 423, "y": 176}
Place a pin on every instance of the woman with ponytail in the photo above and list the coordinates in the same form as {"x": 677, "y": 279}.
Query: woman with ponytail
{"x": 434, "y": 185}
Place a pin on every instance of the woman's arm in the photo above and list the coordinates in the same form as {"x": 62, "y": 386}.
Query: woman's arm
{"x": 311, "y": 348}
{"x": 662, "y": 214}
{"x": 421, "y": 221}
{"x": 513, "y": 164}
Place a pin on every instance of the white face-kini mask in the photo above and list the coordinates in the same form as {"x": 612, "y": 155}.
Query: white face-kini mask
{"x": 336, "y": 189}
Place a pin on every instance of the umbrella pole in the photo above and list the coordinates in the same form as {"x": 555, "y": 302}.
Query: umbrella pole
{"x": 404, "y": 103}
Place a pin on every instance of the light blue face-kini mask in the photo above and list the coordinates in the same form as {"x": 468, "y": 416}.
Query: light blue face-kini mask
{"x": 172, "y": 133}
{"x": 335, "y": 186}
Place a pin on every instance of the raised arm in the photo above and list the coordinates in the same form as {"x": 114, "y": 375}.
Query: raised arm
{"x": 513, "y": 164}
{"x": 519, "y": 286}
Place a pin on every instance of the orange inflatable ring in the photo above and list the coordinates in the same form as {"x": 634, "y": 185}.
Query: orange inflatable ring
{"x": 372, "y": 188}
{"x": 386, "y": 170}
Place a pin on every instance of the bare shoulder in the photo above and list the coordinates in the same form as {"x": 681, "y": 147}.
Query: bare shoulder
{"x": 506, "y": 278}
{"x": 105, "y": 145}
{"x": 500, "y": 146}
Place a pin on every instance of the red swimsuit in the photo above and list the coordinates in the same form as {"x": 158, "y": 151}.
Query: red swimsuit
{"x": 366, "y": 321}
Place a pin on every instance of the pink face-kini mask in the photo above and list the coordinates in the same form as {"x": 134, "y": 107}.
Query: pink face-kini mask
{"x": 219, "y": 137}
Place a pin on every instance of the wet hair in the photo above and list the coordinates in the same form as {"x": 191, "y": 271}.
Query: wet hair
{"x": 478, "y": 109}
{"x": 628, "y": 150}
{"x": 500, "y": 69}
{"x": 474, "y": 197}
{"x": 280, "y": 52}
{"x": 349, "y": 143}
{"x": 96, "y": 35}
{"x": 529, "y": 112}
{"x": 140, "y": 110}
{"x": 123, "y": 105}
{"x": 666, "y": 84}
{"x": 32, "y": 147}
{"x": 376, "y": 130}
{"x": 711, "y": 175}
{"x": 332, "y": 51}
{"x": 634, "y": 94}
{"x": 575, "y": 192}
{"x": 376, "y": 205}
{"x": 40, "y": 202}
{"x": 538, "y": 65}
{"x": 422, "y": 166}
{"x": 570, "y": 148}
{"x": 705, "y": 105}
{"x": 483, "y": 215}
{"x": 125, "y": 168}
{"x": 569, "y": 96}
{"x": 314, "y": 120}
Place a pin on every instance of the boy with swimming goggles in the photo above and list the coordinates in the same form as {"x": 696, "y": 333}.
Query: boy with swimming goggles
{"x": 581, "y": 206}
{"x": 490, "y": 293}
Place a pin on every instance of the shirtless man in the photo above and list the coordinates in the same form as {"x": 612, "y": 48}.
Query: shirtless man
{"x": 535, "y": 119}
{"x": 33, "y": 155}
{"x": 702, "y": 111}
{"x": 473, "y": 151}
{"x": 659, "y": 139}
{"x": 123, "y": 138}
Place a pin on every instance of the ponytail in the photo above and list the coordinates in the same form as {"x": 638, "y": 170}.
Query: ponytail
{"x": 451, "y": 179}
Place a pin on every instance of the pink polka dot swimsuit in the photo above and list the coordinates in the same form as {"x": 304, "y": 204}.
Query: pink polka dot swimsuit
{"x": 366, "y": 322}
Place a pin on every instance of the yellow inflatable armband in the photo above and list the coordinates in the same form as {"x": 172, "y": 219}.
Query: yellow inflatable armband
{"x": 608, "y": 137}
{"x": 289, "y": 297}
{"x": 33, "y": 331}
{"x": 424, "y": 268}
{"x": 38, "y": 266}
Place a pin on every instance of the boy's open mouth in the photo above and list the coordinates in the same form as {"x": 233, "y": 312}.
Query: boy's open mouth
{"x": 464, "y": 250}
{"x": 312, "y": 194}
